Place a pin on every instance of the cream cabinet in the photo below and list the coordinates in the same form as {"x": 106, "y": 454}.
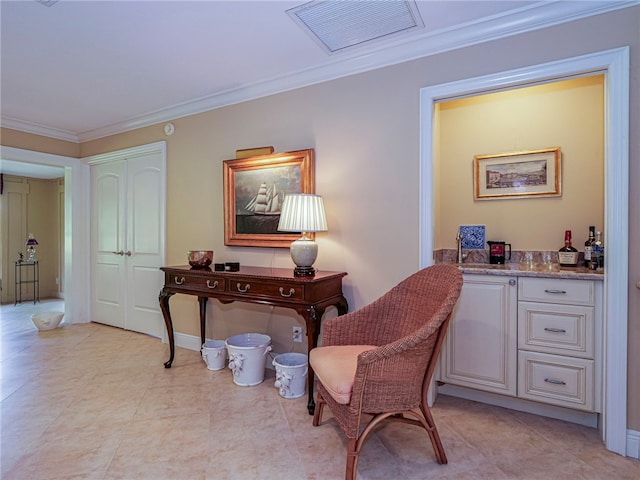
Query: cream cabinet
{"x": 526, "y": 339}
{"x": 556, "y": 342}
{"x": 480, "y": 350}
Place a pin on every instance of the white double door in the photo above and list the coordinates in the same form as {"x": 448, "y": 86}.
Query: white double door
{"x": 128, "y": 239}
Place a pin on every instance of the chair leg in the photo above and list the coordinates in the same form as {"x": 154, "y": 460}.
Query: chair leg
{"x": 317, "y": 414}
{"x": 352, "y": 459}
{"x": 441, "y": 456}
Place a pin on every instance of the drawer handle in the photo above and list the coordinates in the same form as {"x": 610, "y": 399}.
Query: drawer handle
{"x": 179, "y": 282}
{"x": 555, "y": 330}
{"x": 215, "y": 284}
{"x": 556, "y": 291}
{"x": 291, "y": 292}
{"x": 243, "y": 290}
{"x": 554, "y": 381}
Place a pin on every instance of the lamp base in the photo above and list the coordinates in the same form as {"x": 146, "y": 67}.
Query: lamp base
{"x": 304, "y": 272}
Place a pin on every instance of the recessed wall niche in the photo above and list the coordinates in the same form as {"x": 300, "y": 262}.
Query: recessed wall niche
{"x": 568, "y": 114}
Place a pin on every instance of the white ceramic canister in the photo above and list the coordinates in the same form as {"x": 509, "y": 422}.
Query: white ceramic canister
{"x": 214, "y": 354}
{"x": 248, "y": 357}
{"x": 291, "y": 374}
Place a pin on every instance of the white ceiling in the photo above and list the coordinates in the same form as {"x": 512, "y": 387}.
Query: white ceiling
{"x": 81, "y": 70}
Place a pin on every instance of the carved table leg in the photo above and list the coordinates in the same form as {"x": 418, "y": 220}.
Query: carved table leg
{"x": 342, "y": 306}
{"x": 163, "y": 298}
{"x": 203, "y": 318}
{"x": 312, "y": 317}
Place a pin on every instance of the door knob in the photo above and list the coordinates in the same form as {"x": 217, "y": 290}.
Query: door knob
{"x": 128, "y": 253}
{"x": 121, "y": 252}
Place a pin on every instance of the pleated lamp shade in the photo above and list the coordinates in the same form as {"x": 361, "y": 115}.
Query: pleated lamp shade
{"x": 303, "y": 213}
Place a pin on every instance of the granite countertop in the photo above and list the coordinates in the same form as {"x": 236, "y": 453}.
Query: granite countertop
{"x": 537, "y": 270}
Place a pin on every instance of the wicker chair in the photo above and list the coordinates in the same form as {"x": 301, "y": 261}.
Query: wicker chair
{"x": 379, "y": 359}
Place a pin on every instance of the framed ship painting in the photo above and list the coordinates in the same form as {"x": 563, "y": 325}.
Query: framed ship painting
{"x": 535, "y": 173}
{"x": 254, "y": 189}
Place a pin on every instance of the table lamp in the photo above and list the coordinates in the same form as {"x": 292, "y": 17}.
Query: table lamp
{"x": 303, "y": 213}
{"x": 31, "y": 248}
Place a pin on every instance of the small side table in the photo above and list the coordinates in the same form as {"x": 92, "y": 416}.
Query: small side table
{"x": 22, "y": 278}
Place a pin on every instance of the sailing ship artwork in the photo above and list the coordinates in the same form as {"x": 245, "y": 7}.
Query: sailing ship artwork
{"x": 259, "y": 194}
{"x": 266, "y": 202}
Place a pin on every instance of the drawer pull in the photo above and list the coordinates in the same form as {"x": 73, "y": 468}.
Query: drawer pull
{"x": 291, "y": 292}
{"x": 554, "y": 381}
{"x": 179, "y": 282}
{"x": 243, "y": 290}
{"x": 215, "y": 284}
{"x": 551, "y": 290}
{"x": 555, "y": 330}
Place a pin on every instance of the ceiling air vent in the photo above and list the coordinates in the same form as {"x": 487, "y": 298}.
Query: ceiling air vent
{"x": 339, "y": 25}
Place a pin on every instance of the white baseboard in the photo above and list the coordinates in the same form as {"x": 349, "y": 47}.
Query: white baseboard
{"x": 568, "y": 415}
{"x": 190, "y": 342}
{"x": 633, "y": 444}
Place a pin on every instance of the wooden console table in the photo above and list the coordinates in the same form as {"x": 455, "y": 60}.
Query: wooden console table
{"x": 309, "y": 296}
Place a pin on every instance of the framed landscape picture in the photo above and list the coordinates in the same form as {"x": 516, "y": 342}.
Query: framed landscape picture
{"x": 254, "y": 189}
{"x": 536, "y": 173}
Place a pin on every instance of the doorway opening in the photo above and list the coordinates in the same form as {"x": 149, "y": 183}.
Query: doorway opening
{"x": 75, "y": 268}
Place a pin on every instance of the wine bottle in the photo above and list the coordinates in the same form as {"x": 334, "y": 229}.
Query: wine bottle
{"x": 597, "y": 255}
{"x": 568, "y": 255}
{"x": 588, "y": 246}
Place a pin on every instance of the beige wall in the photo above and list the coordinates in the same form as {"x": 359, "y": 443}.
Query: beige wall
{"x": 366, "y": 134}
{"x": 38, "y": 143}
{"x": 568, "y": 114}
{"x": 43, "y": 220}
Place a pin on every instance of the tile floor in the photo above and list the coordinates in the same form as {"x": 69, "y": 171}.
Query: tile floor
{"x": 88, "y": 401}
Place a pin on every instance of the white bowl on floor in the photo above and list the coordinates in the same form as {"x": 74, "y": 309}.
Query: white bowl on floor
{"x": 47, "y": 320}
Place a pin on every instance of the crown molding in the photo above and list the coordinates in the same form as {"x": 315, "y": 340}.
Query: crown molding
{"x": 533, "y": 17}
{"x": 37, "y": 129}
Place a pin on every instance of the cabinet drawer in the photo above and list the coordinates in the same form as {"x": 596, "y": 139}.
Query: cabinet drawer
{"x": 557, "y": 290}
{"x": 557, "y": 380}
{"x": 559, "y": 329}
{"x": 193, "y": 282}
{"x": 255, "y": 288}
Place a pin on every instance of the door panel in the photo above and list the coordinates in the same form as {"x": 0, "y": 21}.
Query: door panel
{"x": 480, "y": 350}
{"x": 145, "y": 228}
{"x": 107, "y": 230}
{"x": 107, "y": 305}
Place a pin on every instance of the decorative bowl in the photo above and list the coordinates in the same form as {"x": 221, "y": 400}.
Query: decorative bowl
{"x": 200, "y": 258}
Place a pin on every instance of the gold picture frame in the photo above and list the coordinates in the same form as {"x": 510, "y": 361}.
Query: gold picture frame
{"x": 535, "y": 173}
{"x": 254, "y": 189}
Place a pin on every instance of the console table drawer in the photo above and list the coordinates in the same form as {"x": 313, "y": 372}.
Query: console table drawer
{"x": 193, "y": 282}
{"x": 253, "y": 287}
{"x": 563, "y": 381}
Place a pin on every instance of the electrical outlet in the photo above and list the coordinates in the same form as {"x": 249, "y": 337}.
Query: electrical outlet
{"x": 297, "y": 334}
